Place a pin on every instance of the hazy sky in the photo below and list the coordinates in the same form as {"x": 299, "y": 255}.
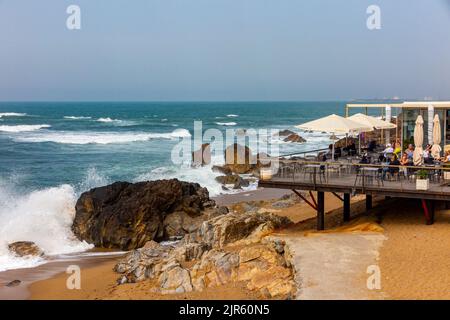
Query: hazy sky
{"x": 224, "y": 50}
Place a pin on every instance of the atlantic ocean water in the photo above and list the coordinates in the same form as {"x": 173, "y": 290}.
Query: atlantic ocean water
{"x": 50, "y": 152}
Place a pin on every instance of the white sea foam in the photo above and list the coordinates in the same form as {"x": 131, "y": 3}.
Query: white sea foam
{"x": 12, "y": 114}
{"x": 77, "y": 118}
{"x": 226, "y": 123}
{"x": 202, "y": 175}
{"x": 23, "y": 127}
{"x": 232, "y": 115}
{"x": 44, "y": 217}
{"x": 108, "y": 120}
{"x": 66, "y": 137}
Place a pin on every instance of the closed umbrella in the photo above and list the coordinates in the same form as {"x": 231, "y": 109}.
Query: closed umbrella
{"x": 418, "y": 141}
{"x": 436, "y": 148}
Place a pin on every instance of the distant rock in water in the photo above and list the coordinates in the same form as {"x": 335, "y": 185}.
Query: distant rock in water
{"x": 237, "y": 181}
{"x": 126, "y": 215}
{"x": 294, "y": 138}
{"x": 25, "y": 248}
{"x": 285, "y": 133}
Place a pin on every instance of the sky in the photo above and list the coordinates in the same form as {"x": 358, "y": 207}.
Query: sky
{"x": 231, "y": 50}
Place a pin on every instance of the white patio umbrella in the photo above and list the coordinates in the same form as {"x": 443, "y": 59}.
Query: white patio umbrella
{"x": 418, "y": 142}
{"x": 436, "y": 148}
{"x": 372, "y": 122}
{"x": 336, "y": 125}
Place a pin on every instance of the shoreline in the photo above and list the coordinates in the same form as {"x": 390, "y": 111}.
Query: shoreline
{"x": 403, "y": 239}
{"x": 56, "y": 268}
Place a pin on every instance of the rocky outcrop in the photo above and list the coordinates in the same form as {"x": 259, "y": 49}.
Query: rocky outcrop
{"x": 227, "y": 248}
{"x": 126, "y": 215}
{"x": 294, "y": 138}
{"x": 25, "y": 248}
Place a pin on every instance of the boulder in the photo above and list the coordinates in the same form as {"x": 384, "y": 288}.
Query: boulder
{"x": 237, "y": 181}
{"x": 225, "y": 229}
{"x": 239, "y": 159}
{"x": 294, "y": 138}
{"x": 125, "y": 215}
{"x": 13, "y": 283}
{"x": 222, "y": 169}
{"x": 285, "y": 133}
{"x": 25, "y": 248}
{"x": 202, "y": 156}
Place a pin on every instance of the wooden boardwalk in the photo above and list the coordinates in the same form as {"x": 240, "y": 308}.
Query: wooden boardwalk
{"x": 351, "y": 183}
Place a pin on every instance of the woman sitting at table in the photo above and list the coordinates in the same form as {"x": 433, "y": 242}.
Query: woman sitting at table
{"x": 405, "y": 161}
{"x": 446, "y": 157}
{"x": 427, "y": 157}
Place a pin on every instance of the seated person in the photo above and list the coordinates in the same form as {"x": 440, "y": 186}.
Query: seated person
{"x": 427, "y": 157}
{"x": 384, "y": 157}
{"x": 410, "y": 151}
{"x": 446, "y": 157}
{"x": 405, "y": 161}
{"x": 397, "y": 149}
{"x": 351, "y": 148}
{"x": 393, "y": 161}
{"x": 372, "y": 145}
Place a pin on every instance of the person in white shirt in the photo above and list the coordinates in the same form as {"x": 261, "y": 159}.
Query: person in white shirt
{"x": 388, "y": 150}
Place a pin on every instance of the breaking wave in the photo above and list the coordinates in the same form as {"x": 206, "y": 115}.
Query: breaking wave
{"x": 23, "y": 127}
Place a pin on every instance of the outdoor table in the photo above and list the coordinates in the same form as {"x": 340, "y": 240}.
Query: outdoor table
{"x": 314, "y": 169}
{"x": 369, "y": 172}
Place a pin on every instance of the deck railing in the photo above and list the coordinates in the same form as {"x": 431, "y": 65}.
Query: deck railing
{"x": 352, "y": 174}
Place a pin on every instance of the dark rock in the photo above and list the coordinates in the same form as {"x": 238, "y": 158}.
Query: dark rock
{"x": 202, "y": 156}
{"x": 126, "y": 215}
{"x": 294, "y": 138}
{"x": 25, "y": 248}
{"x": 13, "y": 283}
{"x": 222, "y": 169}
{"x": 236, "y": 180}
{"x": 285, "y": 133}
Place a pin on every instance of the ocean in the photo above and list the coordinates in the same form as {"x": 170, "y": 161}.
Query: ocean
{"x": 51, "y": 152}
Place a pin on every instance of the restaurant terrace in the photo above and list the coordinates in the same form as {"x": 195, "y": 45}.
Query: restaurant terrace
{"x": 402, "y": 150}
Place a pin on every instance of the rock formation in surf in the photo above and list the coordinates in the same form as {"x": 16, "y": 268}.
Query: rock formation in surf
{"x": 127, "y": 215}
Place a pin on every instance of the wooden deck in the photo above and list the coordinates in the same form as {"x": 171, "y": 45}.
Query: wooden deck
{"x": 351, "y": 183}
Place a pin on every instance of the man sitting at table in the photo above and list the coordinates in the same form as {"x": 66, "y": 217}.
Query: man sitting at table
{"x": 351, "y": 148}
{"x": 393, "y": 161}
{"x": 410, "y": 151}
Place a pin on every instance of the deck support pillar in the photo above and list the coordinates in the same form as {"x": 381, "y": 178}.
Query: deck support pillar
{"x": 320, "y": 210}
{"x": 428, "y": 210}
{"x": 346, "y": 207}
{"x": 368, "y": 202}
